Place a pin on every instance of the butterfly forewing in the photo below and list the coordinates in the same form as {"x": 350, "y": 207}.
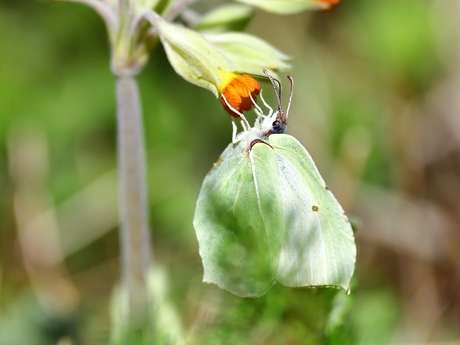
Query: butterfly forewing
{"x": 239, "y": 220}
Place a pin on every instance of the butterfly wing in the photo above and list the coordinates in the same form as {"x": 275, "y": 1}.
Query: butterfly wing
{"x": 239, "y": 220}
{"x": 319, "y": 247}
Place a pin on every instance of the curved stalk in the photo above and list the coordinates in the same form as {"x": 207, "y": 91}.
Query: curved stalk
{"x": 104, "y": 10}
{"x": 177, "y": 8}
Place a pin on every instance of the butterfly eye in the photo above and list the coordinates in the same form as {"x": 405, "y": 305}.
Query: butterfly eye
{"x": 278, "y": 127}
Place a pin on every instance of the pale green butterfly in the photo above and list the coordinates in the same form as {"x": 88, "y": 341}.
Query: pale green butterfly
{"x": 264, "y": 214}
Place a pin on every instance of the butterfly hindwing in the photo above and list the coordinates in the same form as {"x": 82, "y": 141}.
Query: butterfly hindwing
{"x": 318, "y": 247}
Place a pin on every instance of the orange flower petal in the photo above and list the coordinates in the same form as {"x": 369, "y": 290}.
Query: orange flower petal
{"x": 237, "y": 92}
{"x": 250, "y": 83}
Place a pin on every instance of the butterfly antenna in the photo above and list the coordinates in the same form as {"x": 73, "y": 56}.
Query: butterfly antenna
{"x": 291, "y": 80}
{"x": 278, "y": 89}
{"x": 258, "y": 76}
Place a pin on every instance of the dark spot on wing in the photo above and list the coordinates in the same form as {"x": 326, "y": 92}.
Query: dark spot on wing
{"x": 315, "y": 208}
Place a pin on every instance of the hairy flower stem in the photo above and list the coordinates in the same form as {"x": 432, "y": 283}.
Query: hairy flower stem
{"x": 133, "y": 207}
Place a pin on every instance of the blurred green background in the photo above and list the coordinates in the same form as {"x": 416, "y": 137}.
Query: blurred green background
{"x": 377, "y": 104}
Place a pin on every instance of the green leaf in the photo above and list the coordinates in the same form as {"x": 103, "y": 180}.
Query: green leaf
{"x": 228, "y": 17}
{"x": 248, "y": 53}
{"x": 286, "y": 6}
{"x": 238, "y": 221}
{"x": 192, "y": 56}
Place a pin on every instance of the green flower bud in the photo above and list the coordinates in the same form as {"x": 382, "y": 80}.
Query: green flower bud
{"x": 249, "y": 53}
{"x": 192, "y": 56}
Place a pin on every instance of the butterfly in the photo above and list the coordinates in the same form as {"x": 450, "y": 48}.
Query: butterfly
{"x": 265, "y": 215}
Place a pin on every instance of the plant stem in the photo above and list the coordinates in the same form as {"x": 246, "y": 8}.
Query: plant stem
{"x": 123, "y": 6}
{"x": 177, "y": 8}
{"x": 133, "y": 208}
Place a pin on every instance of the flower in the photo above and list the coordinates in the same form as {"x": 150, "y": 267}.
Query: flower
{"x": 238, "y": 92}
{"x": 329, "y": 3}
{"x": 290, "y": 6}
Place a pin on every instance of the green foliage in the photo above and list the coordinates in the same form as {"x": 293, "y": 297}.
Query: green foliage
{"x": 407, "y": 49}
